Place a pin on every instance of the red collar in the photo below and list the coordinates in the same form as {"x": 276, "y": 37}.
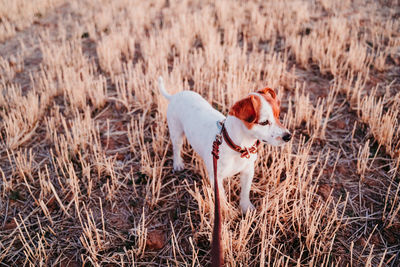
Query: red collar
{"x": 245, "y": 152}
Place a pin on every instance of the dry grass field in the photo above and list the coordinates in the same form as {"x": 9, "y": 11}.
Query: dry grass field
{"x": 85, "y": 159}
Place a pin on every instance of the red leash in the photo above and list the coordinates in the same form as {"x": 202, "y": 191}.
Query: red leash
{"x": 217, "y": 254}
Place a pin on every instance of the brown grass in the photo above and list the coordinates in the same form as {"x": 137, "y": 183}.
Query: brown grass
{"x": 85, "y": 158}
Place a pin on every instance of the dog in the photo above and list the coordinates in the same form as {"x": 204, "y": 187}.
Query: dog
{"x": 250, "y": 120}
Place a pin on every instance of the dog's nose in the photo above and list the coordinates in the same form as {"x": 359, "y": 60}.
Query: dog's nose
{"x": 286, "y": 137}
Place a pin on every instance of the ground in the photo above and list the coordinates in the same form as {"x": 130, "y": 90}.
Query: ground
{"x": 86, "y": 161}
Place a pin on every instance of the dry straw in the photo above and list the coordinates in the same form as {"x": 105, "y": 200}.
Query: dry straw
{"x": 86, "y": 162}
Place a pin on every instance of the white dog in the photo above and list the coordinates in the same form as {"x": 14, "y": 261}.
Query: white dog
{"x": 253, "y": 118}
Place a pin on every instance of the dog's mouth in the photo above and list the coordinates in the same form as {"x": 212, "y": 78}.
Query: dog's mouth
{"x": 278, "y": 139}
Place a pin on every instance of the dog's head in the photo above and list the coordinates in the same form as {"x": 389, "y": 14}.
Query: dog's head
{"x": 259, "y": 113}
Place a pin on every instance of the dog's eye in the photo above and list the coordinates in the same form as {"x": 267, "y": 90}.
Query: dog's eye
{"x": 264, "y": 123}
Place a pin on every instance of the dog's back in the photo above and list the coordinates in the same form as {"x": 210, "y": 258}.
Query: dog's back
{"x": 191, "y": 114}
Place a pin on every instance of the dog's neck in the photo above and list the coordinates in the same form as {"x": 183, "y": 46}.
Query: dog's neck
{"x": 237, "y": 133}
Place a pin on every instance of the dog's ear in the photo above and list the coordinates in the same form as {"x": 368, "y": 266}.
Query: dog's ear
{"x": 269, "y": 91}
{"x": 247, "y": 110}
{"x": 275, "y": 102}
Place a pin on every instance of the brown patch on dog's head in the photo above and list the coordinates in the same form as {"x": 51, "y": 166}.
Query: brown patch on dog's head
{"x": 247, "y": 110}
{"x": 267, "y": 91}
{"x": 270, "y": 96}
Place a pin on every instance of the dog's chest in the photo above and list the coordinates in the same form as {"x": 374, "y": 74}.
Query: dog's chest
{"x": 234, "y": 164}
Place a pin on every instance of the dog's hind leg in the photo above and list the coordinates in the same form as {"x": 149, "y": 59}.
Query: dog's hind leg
{"x": 176, "y": 135}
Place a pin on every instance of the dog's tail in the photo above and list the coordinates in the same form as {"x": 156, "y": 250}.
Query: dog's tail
{"x": 162, "y": 88}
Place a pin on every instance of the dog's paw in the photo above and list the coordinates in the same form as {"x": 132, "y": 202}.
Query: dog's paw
{"x": 246, "y": 206}
{"x": 179, "y": 166}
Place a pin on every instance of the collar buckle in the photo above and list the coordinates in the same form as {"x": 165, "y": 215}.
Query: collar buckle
{"x": 246, "y": 153}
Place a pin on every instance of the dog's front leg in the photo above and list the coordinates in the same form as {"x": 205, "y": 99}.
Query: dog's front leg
{"x": 246, "y": 178}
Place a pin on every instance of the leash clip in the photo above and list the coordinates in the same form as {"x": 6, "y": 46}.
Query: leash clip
{"x": 219, "y": 124}
{"x": 218, "y": 137}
